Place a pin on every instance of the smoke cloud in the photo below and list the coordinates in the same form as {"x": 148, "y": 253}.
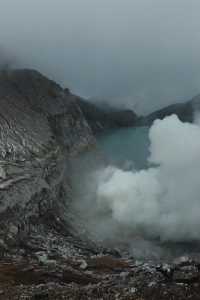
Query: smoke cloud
{"x": 141, "y": 54}
{"x": 162, "y": 201}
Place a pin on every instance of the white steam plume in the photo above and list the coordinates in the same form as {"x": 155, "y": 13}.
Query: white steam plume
{"x": 163, "y": 200}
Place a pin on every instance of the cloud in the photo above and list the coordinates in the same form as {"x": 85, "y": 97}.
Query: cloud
{"x": 138, "y": 51}
{"x": 163, "y": 200}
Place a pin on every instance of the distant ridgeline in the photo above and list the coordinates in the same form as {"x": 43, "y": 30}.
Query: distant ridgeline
{"x": 103, "y": 118}
{"x": 185, "y": 112}
{"x": 100, "y": 119}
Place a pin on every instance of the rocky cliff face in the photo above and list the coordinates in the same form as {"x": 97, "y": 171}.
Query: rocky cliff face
{"x": 40, "y": 129}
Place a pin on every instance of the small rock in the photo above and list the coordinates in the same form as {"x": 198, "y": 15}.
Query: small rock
{"x": 151, "y": 284}
{"x": 133, "y": 290}
{"x": 124, "y": 275}
{"x": 42, "y": 257}
{"x": 13, "y": 230}
{"x": 182, "y": 260}
{"x": 83, "y": 265}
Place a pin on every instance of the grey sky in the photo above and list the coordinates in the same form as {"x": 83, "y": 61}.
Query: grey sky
{"x": 130, "y": 51}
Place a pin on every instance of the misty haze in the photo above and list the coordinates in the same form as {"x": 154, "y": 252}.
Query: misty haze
{"x": 100, "y": 149}
{"x": 136, "y": 54}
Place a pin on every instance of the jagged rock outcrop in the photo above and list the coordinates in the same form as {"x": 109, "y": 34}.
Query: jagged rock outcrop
{"x": 40, "y": 129}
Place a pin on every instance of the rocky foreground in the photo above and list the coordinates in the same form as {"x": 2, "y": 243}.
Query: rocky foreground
{"x": 42, "y": 130}
{"x": 44, "y": 275}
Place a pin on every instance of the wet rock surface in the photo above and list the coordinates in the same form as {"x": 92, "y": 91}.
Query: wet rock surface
{"x": 42, "y": 129}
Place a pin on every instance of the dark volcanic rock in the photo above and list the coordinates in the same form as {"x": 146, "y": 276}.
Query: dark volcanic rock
{"x": 184, "y": 111}
{"x": 101, "y": 119}
{"x": 40, "y": 128}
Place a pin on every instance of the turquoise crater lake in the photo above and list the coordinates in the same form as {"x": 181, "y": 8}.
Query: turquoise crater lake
{"x": 126, "y": 147}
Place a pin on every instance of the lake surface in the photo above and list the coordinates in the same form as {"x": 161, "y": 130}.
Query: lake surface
{"x": 126, "y": 147}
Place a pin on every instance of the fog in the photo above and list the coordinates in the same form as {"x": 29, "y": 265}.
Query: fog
{"x": 141, "y": 54}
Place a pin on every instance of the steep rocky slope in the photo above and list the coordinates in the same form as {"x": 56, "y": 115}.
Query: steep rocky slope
{"x": 40, "y": 128}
